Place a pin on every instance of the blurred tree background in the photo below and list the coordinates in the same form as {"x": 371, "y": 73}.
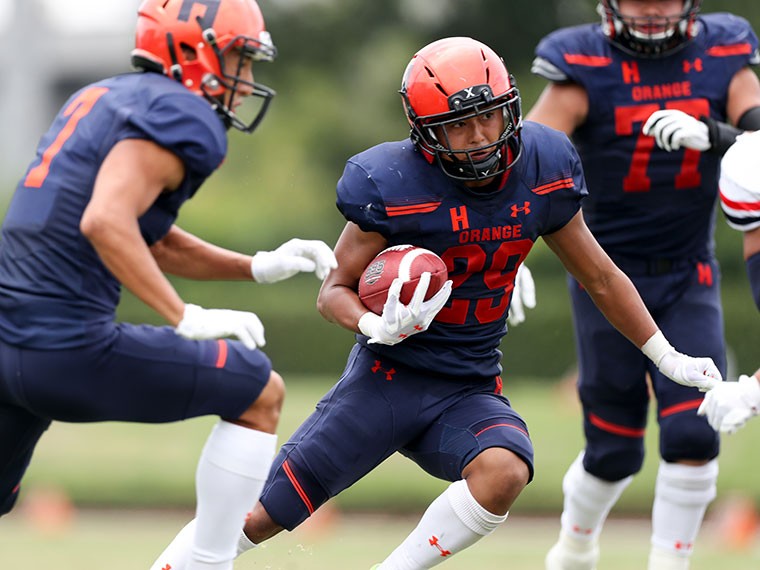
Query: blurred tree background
{"x": 337, "y": 74}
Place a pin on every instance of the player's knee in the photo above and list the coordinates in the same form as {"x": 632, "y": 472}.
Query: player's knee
{"x": 614, "y": 465}
{"x": 496, "y": 477}
{"x": 264, "y": 413}
{"x": 688, "y": 437}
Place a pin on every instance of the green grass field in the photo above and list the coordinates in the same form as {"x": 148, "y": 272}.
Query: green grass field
{"x": 132, "y": 489}
{"x": 130, "y": 540}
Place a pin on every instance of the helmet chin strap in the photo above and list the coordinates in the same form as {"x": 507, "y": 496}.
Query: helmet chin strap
{"x": 470, "y": 169}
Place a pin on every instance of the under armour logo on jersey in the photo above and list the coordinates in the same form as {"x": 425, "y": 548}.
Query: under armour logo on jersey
{"x": 696, "y": 66}
{"x": 525, "y": 208}
{"x": 378, "y": 367}
{"x": 434, "y": 542}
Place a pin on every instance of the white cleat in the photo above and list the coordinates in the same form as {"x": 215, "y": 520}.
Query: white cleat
{"x": 578, "y": 556}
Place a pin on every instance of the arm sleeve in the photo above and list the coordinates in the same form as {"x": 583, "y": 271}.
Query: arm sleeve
{"x": 360, "y": 201}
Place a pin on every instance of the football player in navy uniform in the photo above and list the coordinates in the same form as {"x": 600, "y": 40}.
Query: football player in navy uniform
{"x": 478, "y": 187}
{"x": 95, "y": 212}
{"x": 730, "y": 405}
{"x": 653, "y": 212}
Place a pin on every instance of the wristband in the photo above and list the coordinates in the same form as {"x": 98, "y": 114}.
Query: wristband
{"x": 365, "y": 323}
{"x": 753, "y": 272}
{"x": 721, "y": 135}
{"x": 657, "y": 347}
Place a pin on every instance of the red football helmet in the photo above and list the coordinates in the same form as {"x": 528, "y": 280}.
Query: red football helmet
{"x": 452, "y": 80}
{"x": 188, "y": 39}
{"x": 647, "y": 36}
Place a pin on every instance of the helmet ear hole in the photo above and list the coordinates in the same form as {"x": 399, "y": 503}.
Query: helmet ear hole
{"x": 188, "y": 52}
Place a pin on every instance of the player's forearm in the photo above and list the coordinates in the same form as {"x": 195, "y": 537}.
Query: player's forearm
{"x": 619, "y": 301}
{"x": 340, "y": 305}
{"x": 123, "y": 251}
{"x": 185, "y": 255}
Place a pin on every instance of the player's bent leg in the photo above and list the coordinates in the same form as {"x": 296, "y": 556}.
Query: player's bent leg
{"x": 231, "y": 473}
{"x": 467, "y": 511}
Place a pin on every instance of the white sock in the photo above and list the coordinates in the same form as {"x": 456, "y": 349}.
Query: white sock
{"x": 680, "y": 501}
{"x": 587, "y": 502}
{"x": 450, "y": 524}
{"x": 177, "y": 554}
{"x": 231, "y": 473}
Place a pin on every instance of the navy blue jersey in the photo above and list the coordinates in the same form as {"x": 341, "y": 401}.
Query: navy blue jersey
{"x": 644, "y": 201}
{"x": 391, "y": 189}
{"x": 55, "y": 291}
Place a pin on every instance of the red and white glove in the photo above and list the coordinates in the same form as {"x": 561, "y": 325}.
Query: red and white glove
{"x": 673, "y": 129}
{"x": 729, "y": 405}
{"x": 685, "y": 370}
{"x": 198, "y": 323}
{"x": 400, "y": 321}
{"x": 293, "y": 257}
{"x": 523, "y": 296}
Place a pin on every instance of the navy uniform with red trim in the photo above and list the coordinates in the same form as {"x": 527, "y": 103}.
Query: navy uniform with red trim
{"x": 436, "y": 397}
{"x": 62, "y": 356}
{"x": 654, "y": 214}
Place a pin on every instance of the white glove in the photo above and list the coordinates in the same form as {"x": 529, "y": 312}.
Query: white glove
{"x": 290, "y": 258}
{"x": 199, "y": 323}
{"x": 400, "y": 321}
{"x": 674, "y": 129}
{"x": 729, "y": 405}
{"x": 685, "y": 370}
{"x": 523, "y": 295}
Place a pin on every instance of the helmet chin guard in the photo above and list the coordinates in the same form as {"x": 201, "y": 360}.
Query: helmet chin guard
{"x": 189, "y": 40}
{"x": 453, "y": 80}
{"x": 649, "y": 36}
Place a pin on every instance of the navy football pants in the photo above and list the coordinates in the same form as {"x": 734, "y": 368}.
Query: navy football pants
{"x": 140, "y": 374}
{"x": 377, "y": 408}
{"x": 685, "y": 303}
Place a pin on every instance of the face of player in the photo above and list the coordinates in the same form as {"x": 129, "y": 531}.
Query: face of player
{"x": 651, "y": 18}
{"x": 474, "y": 137}
{"x": 238, "y": 64}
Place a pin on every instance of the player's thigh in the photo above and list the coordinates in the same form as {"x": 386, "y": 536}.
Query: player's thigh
{"x": 21, "y": 430}
{"x": 694, "y": 324}
{"x": 367, "y": 416}
{"x": 478, "y": 420}
{"x": 144, "y": 374}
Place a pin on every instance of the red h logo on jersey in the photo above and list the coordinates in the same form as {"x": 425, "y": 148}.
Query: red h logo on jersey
{"x": 516, "y": 209}
{"x": 630, "y": 71}
{"x": 459, "y": 220}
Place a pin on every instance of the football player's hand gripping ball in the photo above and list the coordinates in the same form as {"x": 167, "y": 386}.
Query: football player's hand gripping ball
{"x": 729, "y": 405}
{"x": 673, "y": 129}
{"x": 198, "y": 323}
{"x": 400, "y": 321}
{"x": 523, "y": 296}
{"x": 292, "y": 257}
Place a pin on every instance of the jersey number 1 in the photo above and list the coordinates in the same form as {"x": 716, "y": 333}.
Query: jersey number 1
{"x": 637, "y": 179}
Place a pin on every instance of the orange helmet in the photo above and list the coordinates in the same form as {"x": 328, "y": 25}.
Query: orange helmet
{"x": 188, "y": 39}
{"x": 632, "y": 35}
{"x": 452, "y": 80}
